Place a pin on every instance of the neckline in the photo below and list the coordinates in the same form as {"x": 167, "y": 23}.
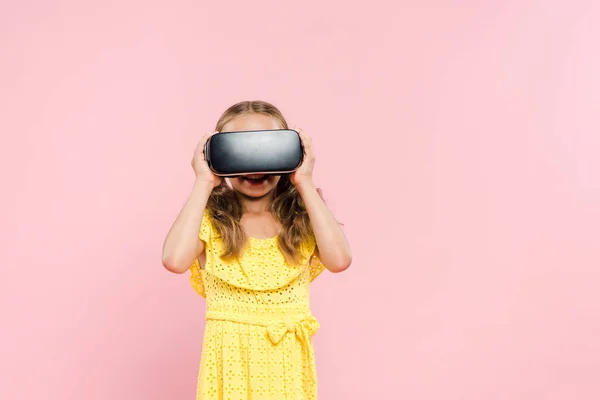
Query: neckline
{"x": 263, "y": 239}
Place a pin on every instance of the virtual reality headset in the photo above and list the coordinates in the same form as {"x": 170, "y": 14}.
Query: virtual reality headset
{"x": 268, "y": 152}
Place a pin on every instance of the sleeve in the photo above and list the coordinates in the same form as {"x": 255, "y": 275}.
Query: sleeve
{"x": 206, "y": 227}
{"x": 310, "y": 252}
{"x": 205, "y": 234}
{"x": 316, "y": 266}
{"x": 196, "y": 279}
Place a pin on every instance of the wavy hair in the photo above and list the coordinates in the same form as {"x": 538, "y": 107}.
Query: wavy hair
{"x": 287, "y": 207}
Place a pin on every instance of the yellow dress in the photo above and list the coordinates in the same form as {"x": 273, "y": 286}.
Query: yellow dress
{"x": 258, "y": 337}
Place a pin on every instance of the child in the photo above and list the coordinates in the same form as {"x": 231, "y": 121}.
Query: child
{"x": 253, "y": 246}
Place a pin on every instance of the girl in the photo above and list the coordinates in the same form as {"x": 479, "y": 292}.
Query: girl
{"x": 252, "y": 245}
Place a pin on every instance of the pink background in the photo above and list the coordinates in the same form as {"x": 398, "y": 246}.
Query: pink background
{"x": 457, "y": 140}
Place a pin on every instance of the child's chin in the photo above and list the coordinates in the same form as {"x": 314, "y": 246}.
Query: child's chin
{"x": 258, "y": 192}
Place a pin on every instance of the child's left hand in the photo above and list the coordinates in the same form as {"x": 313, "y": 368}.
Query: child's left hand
{"x": 303, "y": 175}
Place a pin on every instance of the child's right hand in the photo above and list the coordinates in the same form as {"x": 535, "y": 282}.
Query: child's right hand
{"x": 203, "y": 172}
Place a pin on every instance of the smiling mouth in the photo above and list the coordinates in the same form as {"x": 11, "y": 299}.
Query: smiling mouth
{"x": 254, "y": 179}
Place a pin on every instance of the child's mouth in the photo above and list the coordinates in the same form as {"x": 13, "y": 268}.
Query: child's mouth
{"x": 255, "y": 179}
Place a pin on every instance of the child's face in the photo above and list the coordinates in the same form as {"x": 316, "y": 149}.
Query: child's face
{"x": 254, "y": 186}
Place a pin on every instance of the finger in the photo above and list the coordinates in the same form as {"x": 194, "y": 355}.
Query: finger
{"x": 207, "y": 136}
{"x": 203, "y": 140}
{"x": 308, "y": 145}
{"x": 306, "y": 140}
{"x": 301, "y": 133}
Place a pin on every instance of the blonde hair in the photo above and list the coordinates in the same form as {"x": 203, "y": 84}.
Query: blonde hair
{"x": 287, "y": 206}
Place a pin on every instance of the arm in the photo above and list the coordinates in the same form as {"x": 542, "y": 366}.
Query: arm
{"x": 333, "y": 248}
{"x": 182, "y": 244}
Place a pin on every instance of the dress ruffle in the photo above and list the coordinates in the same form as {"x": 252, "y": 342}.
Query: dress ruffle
{"x": 262, "y": 267}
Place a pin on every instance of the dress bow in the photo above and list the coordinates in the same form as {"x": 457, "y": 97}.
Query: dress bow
{"x": 304, "y": 329}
